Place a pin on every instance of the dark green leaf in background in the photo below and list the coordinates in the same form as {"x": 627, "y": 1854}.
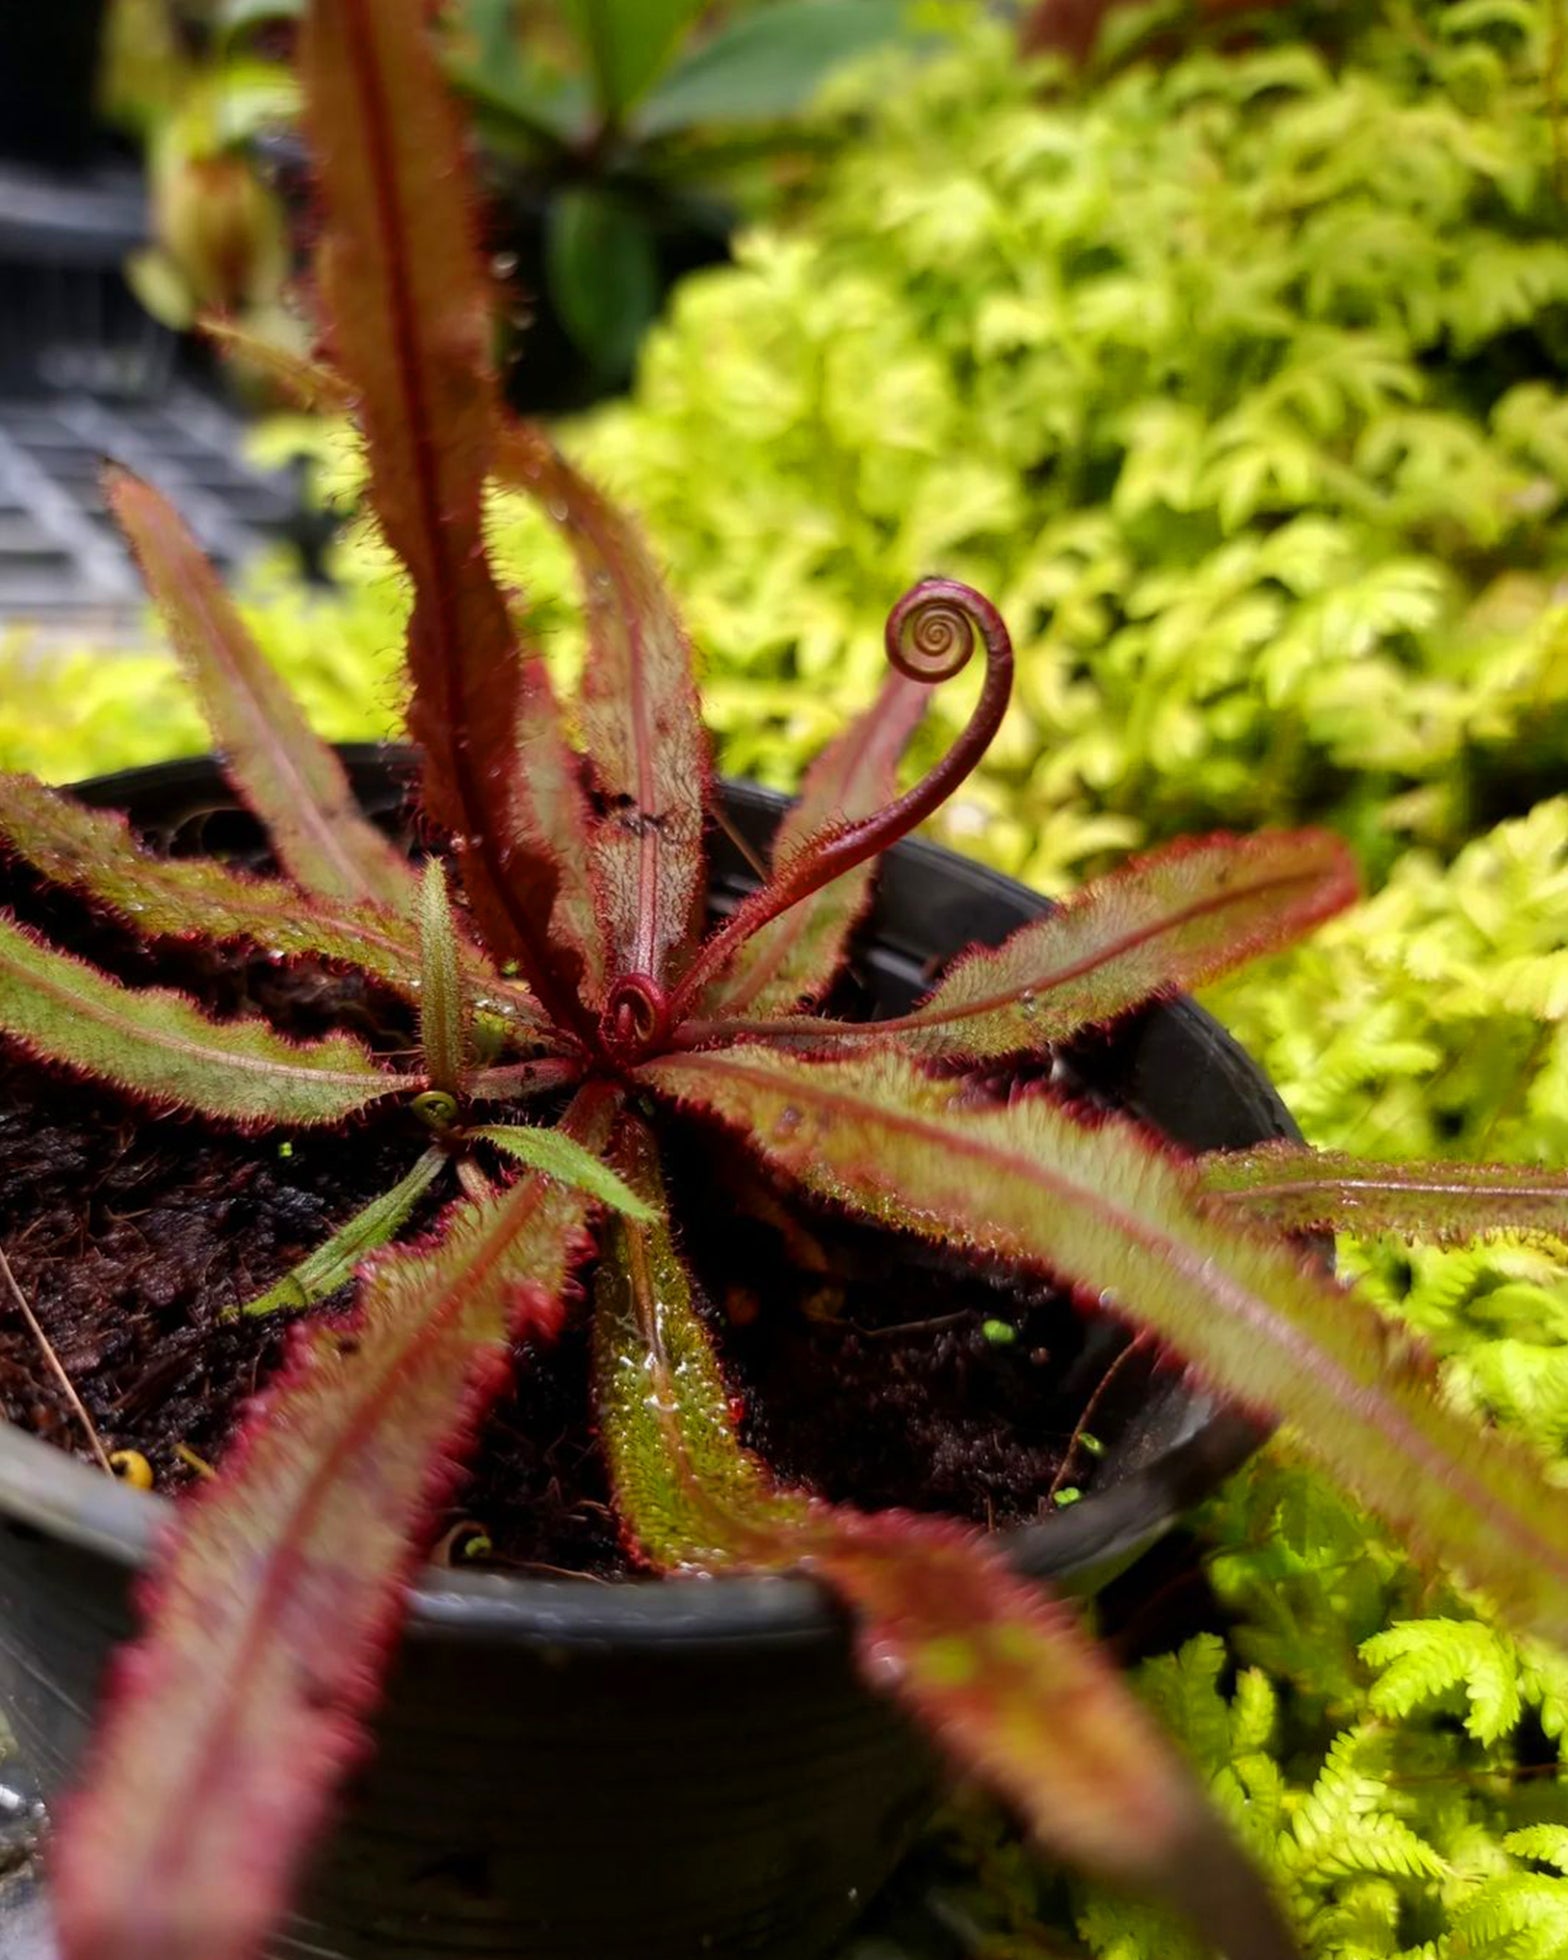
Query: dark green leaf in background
{"x": 628, "y": 42}
{"x": 603, "y": 274}
{"x": 766, "y": 64}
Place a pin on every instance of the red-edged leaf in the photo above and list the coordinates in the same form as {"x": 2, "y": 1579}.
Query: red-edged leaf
{"x": 1017, "y": 1692}
{"x": 237, "y": 1714}
{"x": 401, "y": 272}
{"x": 1002, "y": 1675}
{"x": 93, "y": 851}
{"x": 641, "y": 719}
{"x": 308, "y": 384}
{"x": 1102, "y": 1207}
{"x": 159, "y": 1046}
{"x": 796, "y": 956}
{"x": 1323, "y": 1190}
{"x": 1175, "y": 919}
{"x": 281, "y": 768}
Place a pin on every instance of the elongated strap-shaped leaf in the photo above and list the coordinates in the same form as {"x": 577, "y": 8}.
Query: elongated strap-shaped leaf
{"x": 445, "y": 1021}
{"x": 1001, "y": 1674}
{"x": 1175, "y": 919}
{"x": 796, "y": 956}
{"x": 641, "y": 720}
{"x": 318, "y": 1276}
{"x": 402, "y": 276}
{"x": 308, "y": 384}
{"x": 284, "y": 771}
{"x": 93, "y": 851}
{"x": 158, "y": 1045}
{"x": 1324, "y": 1190}
{"x": 1110, "y": 1213}
{"x": 556, "y": 1154}
{"x": 238, "y": 1711}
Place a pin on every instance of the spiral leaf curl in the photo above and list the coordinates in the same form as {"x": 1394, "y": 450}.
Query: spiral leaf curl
{"x": 932, "y": 631}
{"x": 931, "y": 635}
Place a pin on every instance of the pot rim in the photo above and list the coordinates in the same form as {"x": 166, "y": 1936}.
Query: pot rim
{"x": 44, "y": 1488}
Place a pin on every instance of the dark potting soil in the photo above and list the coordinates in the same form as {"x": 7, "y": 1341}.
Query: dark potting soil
{"x": 870, "y": 1367}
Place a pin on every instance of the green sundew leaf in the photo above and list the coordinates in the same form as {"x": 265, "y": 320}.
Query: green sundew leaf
{"x": 796, "y": 956}
{"x": 1110, "y": 1213}
{"x": 684, "y": 1487}
{"x": 555, "y": 1154}
{"x": 308, "y": 384}
{"x": 766, "y": 65}
{"x": 284, "y": 772}
{"x": 519, "y": 108}
{"x": 628, "y": 42}
{"x": 270, "y": 1616}
{"x": 603, "y": 274}
{"x": 1442, "y": 1203}
{"x": 1001, "y": 1674}
{"x": 641, "y": 718}
{"x": 158, "y": 1045}
{"x": 1175, "y": 919}
{"x": 93, "y": 851}
{"x": 445, "y": 1024}
{"x": 333, "y": 1262}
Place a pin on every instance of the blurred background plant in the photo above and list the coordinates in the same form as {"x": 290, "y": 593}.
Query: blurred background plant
{"x": 623, "y": 140}
{"x": 1227, "y": 356}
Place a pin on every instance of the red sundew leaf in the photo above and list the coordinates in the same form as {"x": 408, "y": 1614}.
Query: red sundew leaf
{"x": 93, "y": 851}
{"x": 796, "y": 956}
{"x": 1175, "y": 919}
{"x": 404, "y": 282}
{"x": 1017, "y": 1693}
{"x": 1300, "y": 1190}
{"x": 642, "y": 722}
{"x": 238, "y": 1712}
{"x": 280, "y": 767}
{"x": 1002, "y": 1675}
{"x": 1106, "y": 1210}
{"x": 159, "y": 1046}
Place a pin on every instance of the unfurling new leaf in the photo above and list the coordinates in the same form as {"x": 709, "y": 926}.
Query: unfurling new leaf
{"x": 796, "y": 957}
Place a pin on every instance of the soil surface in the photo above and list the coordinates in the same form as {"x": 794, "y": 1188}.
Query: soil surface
{"x": 870, "y": 1367}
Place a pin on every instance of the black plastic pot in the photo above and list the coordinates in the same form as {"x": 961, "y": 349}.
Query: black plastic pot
{"x": 647, "y": 1771}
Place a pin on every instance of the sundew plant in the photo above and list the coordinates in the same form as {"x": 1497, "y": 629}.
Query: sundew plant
{"x": 569, "y": 1001}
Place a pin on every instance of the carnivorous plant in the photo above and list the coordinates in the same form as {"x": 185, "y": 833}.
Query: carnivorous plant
{"x": 568, "y": 1000}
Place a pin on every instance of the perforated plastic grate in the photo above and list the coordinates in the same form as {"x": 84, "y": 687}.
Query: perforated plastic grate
{"x": 59, "y": 552}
